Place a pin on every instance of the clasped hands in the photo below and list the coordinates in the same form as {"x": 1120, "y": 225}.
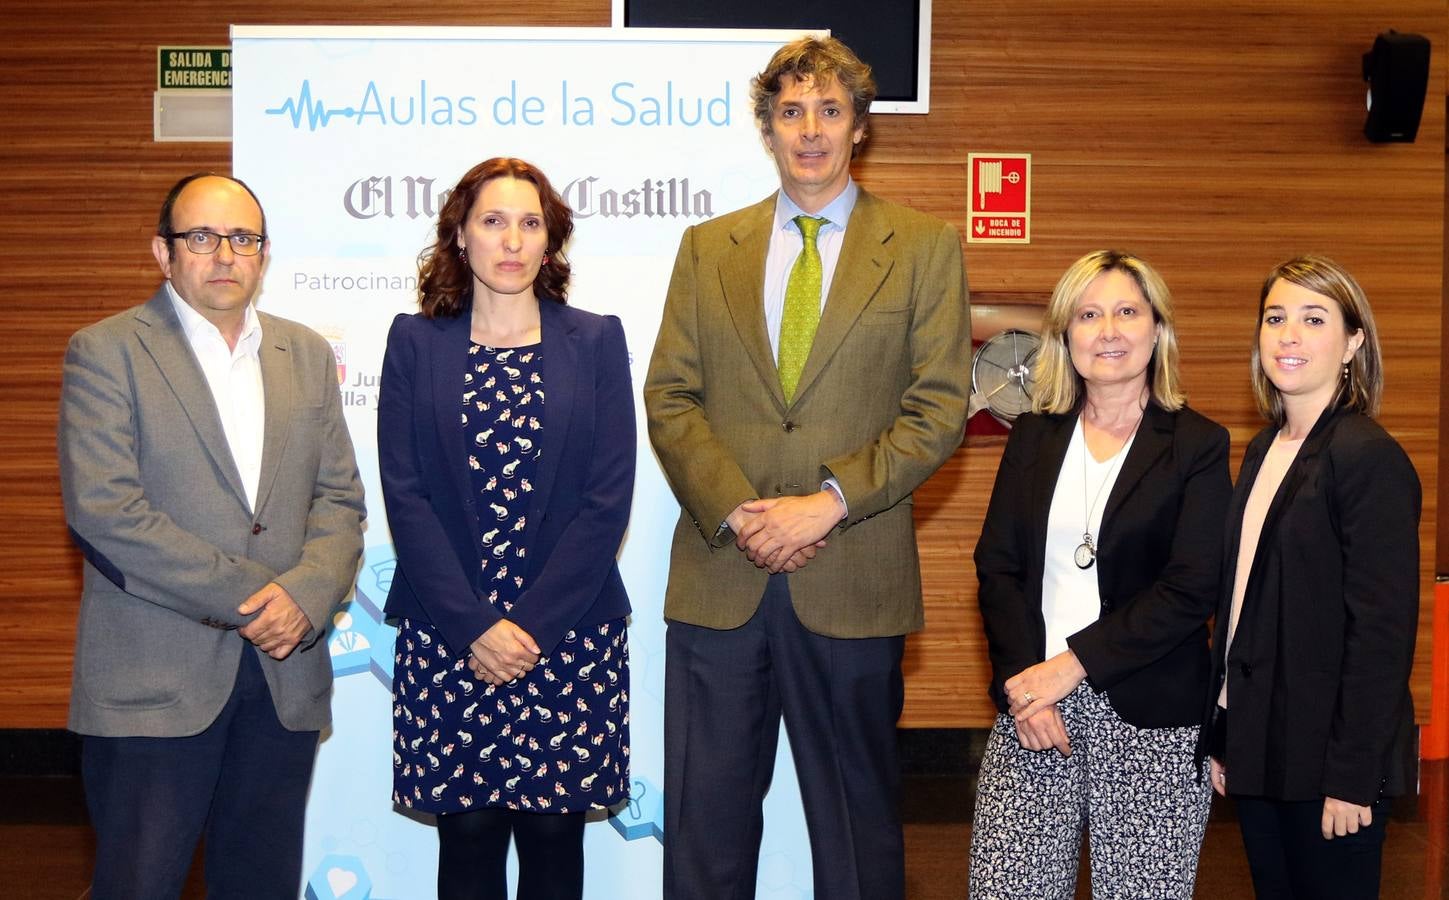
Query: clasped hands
{"x": 281, "y": 624}
{"x": 783, "y": 534}
{"x": 1032, "y": 695}
{"x": 502, "y": 653}
{"x": 499, "y": 655}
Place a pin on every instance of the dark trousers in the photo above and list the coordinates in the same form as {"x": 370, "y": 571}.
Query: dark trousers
{"x": 243, "y": 781}
{"x": 1290, "y": 860}
{"x": 473, "y": 854}
{"x": 725, "y": 693}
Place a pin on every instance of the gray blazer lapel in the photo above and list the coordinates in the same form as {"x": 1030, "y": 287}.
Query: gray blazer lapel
{"x": 160, "y": 333}
{"x": 860, "y": 270}
{"x": 742, "y": 280}
{"x": 275, "y": 354}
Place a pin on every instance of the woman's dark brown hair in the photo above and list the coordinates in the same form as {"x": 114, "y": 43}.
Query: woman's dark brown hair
{"x": 445, "y": 283}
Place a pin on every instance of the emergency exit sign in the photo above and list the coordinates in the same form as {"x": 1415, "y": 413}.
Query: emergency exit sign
{"x": 193, "y": 68}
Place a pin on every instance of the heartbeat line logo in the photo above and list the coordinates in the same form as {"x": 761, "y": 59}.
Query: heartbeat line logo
{"x": 317, "y": 114}
{"x": 420, "y": 109}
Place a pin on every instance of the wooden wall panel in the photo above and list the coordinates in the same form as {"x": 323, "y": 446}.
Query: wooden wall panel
{"x": 1442, "y": 553}
{"x": 1213, "y": 138}
{"x": 1214, "y": 141}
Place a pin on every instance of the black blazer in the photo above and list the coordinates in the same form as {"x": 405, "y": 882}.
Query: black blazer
{"x": 1157, "y": 563}
{"x": 1318, "y": 675}
{"x": 580, "y": 504}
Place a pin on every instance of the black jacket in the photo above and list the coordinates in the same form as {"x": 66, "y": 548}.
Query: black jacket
{"x": 1318, "y": 675}
{"x": 1158, "y": 563}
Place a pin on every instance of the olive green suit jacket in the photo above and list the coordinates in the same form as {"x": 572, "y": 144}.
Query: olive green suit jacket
{"x": 880, "y": 406}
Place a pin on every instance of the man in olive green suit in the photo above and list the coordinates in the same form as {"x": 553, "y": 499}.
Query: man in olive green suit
{"x": 811, "y": 371}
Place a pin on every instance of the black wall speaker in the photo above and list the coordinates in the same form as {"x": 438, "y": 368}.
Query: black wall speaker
{"x": 1397, "y": 71}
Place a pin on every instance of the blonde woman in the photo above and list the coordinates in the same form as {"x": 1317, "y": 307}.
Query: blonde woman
{"x": 1099, "y": 567}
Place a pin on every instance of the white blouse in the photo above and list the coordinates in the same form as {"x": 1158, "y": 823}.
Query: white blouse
{"x": 1070, "y": 599}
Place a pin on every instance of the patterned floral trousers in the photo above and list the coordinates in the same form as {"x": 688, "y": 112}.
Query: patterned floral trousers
{"x": 1135, "y": 789}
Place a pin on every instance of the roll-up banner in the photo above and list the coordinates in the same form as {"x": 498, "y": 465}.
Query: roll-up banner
{"x": 351, "y": 137}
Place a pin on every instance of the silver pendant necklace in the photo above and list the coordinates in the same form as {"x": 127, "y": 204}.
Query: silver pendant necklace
{"x": 1085, "y": 556}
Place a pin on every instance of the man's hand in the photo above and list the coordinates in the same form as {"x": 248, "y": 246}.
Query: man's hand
{"x": 738, "y": 520}
{"x": 503, "y": 653}
{"x": 1044, "y": 730}
{"x": 783, "y": 526}
{"x": 1342, "y": 818}
{"x": 281, "y": 625}
{"x": 797, "y": 562}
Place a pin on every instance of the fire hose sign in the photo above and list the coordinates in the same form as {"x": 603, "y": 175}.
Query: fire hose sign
{"x": 1000, "y": 204}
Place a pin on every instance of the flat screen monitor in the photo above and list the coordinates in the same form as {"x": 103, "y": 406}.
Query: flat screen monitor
{"x": 894, "y": 36}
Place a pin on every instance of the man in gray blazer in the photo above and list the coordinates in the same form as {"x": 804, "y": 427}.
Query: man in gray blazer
{"x": 810, "y": 372}
{"x": 209, "y": 482}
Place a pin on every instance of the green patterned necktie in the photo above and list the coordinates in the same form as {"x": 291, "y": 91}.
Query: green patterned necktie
{"x": 802, "y": 306}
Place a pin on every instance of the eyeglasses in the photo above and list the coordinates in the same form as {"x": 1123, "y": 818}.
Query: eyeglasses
{"x": 208, "y": 242}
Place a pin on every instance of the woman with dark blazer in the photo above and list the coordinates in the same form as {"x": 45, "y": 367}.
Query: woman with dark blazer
{"x": 506, "y": 441}
{"x": 1313, "y": 726}
{"x": 1098, "y": 570}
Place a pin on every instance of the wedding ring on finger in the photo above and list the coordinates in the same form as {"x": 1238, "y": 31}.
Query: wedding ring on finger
{"x": 1028, "y": 698}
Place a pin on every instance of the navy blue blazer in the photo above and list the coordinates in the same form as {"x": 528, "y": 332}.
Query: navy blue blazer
{"x": 583, "y": 490}
{"x": 1157, "y": 565}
